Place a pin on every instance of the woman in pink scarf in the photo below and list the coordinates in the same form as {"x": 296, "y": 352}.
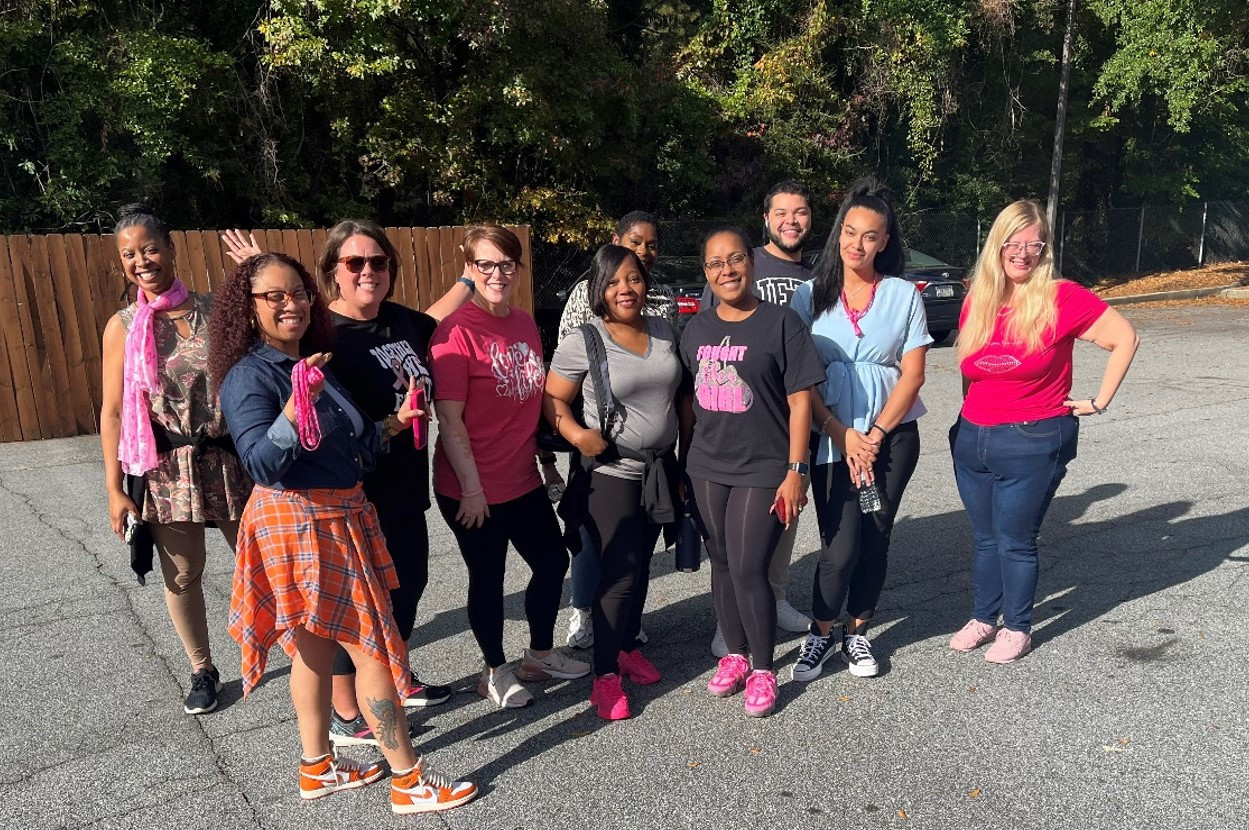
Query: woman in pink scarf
{"x": 164, "y": 438}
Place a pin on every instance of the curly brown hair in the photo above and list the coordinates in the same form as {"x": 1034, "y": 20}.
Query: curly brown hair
{"x": 232, "y": 329}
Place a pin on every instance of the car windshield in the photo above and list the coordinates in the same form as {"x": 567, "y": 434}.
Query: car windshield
{"x": 919, "y": 259}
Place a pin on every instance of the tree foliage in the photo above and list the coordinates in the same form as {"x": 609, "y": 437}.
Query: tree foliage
{"x": 565, "y": 113}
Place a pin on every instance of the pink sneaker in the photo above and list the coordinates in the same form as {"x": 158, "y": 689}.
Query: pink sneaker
{"x": 635, "y": 666}
{"x": 609, "y": 698}
{"x": 1008, "y": 647}
{"x": 730, "y": 675}
{"x": 760, "y": 694}
{"x": 973, "y": 635}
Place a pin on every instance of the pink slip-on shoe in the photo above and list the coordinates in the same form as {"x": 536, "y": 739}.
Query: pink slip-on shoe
{"x": 635, "y": 666}
{"x": 760, "y": 694}
{"x": 609, "y": 699}
{"x": 1008, "y": 647}
{"x": 973, "y": 635}
{"x": 730, "y": 675}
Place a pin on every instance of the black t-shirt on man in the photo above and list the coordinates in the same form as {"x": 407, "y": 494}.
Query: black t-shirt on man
{"x": 775, "y": 279}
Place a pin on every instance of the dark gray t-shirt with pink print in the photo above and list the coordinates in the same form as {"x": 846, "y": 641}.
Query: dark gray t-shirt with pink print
{"x": 743, "y": 374}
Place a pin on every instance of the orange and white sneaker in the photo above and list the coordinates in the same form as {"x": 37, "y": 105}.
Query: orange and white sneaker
{"x": 327, "y": 774}
{"x": 421, "y": 790}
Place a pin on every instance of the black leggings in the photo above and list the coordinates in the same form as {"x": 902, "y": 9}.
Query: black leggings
{"x": 407, "y": 539}
{"x": 626, "y": 538}
{"x": 529, "y": 524}
{"x": 743, "y": 537}
{"x": 855, "y": 556}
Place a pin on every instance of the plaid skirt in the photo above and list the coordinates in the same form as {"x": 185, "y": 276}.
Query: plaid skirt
{"x": 317, "y": 559}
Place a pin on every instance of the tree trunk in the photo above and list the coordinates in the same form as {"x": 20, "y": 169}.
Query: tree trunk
{"x": 1060, "y": 121}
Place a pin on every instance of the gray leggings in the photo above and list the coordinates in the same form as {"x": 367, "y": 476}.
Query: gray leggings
{"x": 743, "y": 537}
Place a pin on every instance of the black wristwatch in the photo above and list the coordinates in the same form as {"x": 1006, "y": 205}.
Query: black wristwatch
{"x": 799, "y": 467}
{"x": 472, "y": 286}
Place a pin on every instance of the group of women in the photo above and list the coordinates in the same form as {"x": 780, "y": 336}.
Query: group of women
{"x": 291, "y": 412}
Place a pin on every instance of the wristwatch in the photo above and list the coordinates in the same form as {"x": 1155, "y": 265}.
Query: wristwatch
{"x": 799, "y": 467}
{"x": 472, "y": 286}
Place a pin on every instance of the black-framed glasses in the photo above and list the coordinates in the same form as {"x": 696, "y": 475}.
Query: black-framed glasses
{"x": 505, "y": 266}
{"x": 355, "y": 264}
{"x": 1017, "y": 248}
{"x": 735, "y": 260}
{"x": 277, "y": 299}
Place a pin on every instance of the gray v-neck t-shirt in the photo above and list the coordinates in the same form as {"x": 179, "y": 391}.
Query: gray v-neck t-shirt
{"x": 644, "y": 385}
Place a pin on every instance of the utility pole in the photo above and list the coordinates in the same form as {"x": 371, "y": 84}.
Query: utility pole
{"x": 1060, "y": 122}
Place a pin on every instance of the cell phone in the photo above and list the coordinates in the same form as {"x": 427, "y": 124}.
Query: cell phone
{"x": 420, "y": 429}
{"x": 132, "y": 523}
{"x": 869, "y": 496}
{"x": 778, "y": 507}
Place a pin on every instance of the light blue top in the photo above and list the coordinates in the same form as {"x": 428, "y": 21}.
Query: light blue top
{"x": 861, "y": 372}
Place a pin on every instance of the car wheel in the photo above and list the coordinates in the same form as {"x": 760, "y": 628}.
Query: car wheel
{"x": 939, "y": 335}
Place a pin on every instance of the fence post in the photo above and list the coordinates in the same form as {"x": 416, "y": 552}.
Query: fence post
{"x": 1201, "y": 244}
{"x": 1062, "y": 240}
{"x": 1140, "y": 237}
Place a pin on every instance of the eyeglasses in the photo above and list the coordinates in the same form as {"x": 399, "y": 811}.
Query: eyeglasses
{"x": 734, "y": 260}
{"x": 507, "y": 266}
{"x": 277, "y": 299}
{"x": 1017, "y": 248}
{"x": 355, "y": 264}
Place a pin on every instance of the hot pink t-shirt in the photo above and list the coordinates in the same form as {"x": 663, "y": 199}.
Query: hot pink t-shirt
{"x": 1008, "y": 385}
{"x": 494, "y": 365}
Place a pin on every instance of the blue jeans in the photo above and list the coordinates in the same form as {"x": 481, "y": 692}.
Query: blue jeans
{"x": 1007, "y": 475}
{"x": 585, "y": 572}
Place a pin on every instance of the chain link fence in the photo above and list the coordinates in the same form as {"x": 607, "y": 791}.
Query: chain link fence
{"x": 1090, "y": 245}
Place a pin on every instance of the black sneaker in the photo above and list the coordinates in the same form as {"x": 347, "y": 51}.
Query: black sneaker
{"x": 350, "y": 732}
{"x": 421, "y": 694}
{"x": 815, "y": 650}
{"x": 856, "y": 650}
{"x": 205, "y": 684}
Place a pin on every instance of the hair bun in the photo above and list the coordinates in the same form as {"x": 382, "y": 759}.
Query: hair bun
{"x": 135, "y": 209}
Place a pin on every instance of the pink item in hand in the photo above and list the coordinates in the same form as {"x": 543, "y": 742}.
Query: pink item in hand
{"x": 136, "y": 447}
{"x": 420, "y": 428}
{"x": 304, "y": 376}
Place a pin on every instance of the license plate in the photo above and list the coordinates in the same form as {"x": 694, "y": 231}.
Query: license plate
{"x": 944, "y": 291}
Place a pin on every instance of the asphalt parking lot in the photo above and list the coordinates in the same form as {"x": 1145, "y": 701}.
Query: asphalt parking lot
{"x": 1133, "y": 710}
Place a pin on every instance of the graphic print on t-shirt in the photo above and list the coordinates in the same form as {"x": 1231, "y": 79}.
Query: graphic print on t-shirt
{"x": 718, "y": 386}
{"x": 404, "y": 363}
{"x": 997, "y": 364}
{"x": 518, "y": 370}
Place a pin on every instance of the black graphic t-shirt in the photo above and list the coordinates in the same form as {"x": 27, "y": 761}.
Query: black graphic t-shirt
{"x": 374, "y": 359}
{"x": 775, "y": 280}
{"x": 743, "y": 372}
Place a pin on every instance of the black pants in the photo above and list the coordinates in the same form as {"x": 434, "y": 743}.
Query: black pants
{"x": 529, "y": 523}
{"x": 407, "y": 539}
{"x": 626, "y": 538}
{"x": 743, "y": 537}
{"x": 855, "y": 556}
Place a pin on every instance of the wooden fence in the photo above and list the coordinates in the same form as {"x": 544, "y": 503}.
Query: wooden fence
{"x": 57, "y": 292}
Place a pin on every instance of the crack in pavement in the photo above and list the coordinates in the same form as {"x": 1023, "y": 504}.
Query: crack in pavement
{"x": 129, "y": 610}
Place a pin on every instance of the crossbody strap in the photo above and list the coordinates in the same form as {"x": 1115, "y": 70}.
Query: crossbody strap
{"x": 611, "y": 414}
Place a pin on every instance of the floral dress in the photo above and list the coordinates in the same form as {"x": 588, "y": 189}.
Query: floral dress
{"x": 189, "y": 485}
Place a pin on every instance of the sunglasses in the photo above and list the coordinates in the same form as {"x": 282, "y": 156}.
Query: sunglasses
{"x": 355, "y": 264}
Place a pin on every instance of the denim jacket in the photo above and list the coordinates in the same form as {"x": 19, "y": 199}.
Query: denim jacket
{"x": 252, "y": 397}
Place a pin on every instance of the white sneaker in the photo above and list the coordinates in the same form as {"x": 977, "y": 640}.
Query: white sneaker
{"x": 789, "y": 618}
{"x": 502, "y": 687}
{"x": 554, "y": 666}
{"x": 719, "y": 648}
{"x": 580, "y": 628}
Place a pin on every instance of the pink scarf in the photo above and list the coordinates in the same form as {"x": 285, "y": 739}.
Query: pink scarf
{"x": 857, "y": 315}
{"x": 307, "y": 422}
{"x": 137, "y": 448}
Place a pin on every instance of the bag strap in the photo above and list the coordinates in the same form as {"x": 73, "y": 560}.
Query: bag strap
{"x": 610, "y": 412}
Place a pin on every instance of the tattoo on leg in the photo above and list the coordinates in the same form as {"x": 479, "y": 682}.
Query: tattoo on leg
{"x": 387, "y": 722}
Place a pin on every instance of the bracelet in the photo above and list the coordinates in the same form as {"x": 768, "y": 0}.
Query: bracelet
{"x": 463, "y": 280}
{"x": 391, "y": 426}
{"x": 875, "y": 425}
{"x": 824, "y": 424}
{"x": 476, "y": 492}
{"x": 1097, "y": 410}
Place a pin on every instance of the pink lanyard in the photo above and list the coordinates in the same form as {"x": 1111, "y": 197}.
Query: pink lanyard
{"x": 856, "y": 316}
{"x": 306, "y": 421}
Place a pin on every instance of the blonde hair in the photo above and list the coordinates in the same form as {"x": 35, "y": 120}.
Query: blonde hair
{"x": 1034, "y": 309}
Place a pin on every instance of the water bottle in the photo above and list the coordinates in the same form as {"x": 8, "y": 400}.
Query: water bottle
{"x": 869, "y": 496}
{"x": 689, "y": 541}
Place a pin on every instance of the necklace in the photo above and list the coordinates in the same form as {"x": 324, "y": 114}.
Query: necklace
{"x": 859, "y": 290}
{"x": 856, "y": 315}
